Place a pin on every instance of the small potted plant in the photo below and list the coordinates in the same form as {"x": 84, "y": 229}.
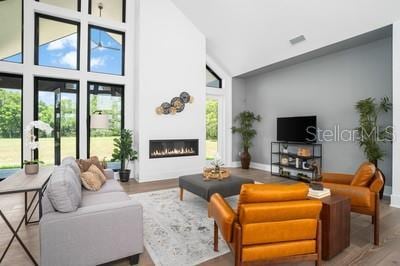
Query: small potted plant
{"x": 217, "y": 163}
{"x": 32, "y": 166}
{"x": 247, "y": 132}
{"x": 285, "y": 148}
{"x": 124, "y": 152}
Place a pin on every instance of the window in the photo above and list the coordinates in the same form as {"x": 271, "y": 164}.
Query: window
{"x": 56, "y": 42}
{"x": 109, "y": 9}
{"x": 106, "y": 51}
{"x": 10, "y": 124}
{"x": 70, "y": 4}
{"x": 211, "y": 127}
{"x": 212, "y": 79}
{"x": 57, "y": 103}
{"x": 11, "y": 31}
{"x": 107, "y": 100}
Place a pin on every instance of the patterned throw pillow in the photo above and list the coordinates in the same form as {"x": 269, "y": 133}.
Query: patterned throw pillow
{"x": 85, "y": 164}
{"x": 95, "y": 170}
{"x": 91, "y": 181}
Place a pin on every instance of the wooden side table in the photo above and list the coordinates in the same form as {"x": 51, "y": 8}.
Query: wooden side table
{"x": 335, "y": 217}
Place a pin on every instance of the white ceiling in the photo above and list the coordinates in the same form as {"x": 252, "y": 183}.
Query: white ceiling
{"x": 244, "y": 35}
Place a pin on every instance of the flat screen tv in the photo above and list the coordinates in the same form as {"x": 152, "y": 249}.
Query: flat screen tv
{"x": 297, "y": 129}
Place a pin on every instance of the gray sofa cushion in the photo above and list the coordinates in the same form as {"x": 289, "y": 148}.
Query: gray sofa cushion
{"x": 110, "y": 185}
{"x": 71, "y": 162}
{"x": 64, "y": 190}
{"x": 101, "y": 198}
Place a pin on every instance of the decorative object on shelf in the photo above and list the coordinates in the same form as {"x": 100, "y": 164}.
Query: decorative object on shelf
{"x": 211, "y": 173}
{"x": 303, "y": 176}
{"x": 32, "y": 166}
{"x": 305, "y": 165}
{"x": 315, "y": 182}
{"x": 284, "y": 160}
{"x": 124, "y": 153}
{"x": 304, "y": 152}
{"x": 285, "y": 148}
{"x": 298, "y": 162}
{"x": 247, "y": 132}
{"x": 371, "y": 134}
{"x": 176, "y": 105}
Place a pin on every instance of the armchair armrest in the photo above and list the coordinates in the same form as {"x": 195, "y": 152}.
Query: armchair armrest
{"x": 92, "y": 235}
{"x": 223, "y": 215}
{"x": 337, "y": 178}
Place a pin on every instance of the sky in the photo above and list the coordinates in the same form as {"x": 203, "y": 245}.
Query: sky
{"x": 62, "y": 53}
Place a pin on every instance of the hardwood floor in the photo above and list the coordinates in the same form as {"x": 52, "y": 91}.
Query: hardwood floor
{"x": 360, "y": 252}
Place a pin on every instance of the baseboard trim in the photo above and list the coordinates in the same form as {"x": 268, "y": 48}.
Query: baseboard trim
{"x": 395, "y": 201}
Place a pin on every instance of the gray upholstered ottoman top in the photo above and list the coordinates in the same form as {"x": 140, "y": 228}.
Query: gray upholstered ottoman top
{"x": 226, "y": 187}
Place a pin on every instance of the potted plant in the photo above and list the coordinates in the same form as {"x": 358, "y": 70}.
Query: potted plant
{"x": 371, "y": 134}
{"x": 285, "y": 148}
{"x": 124, "y": 152}
{"x": 32, "y": 166}
{"x": 247, "y": 132}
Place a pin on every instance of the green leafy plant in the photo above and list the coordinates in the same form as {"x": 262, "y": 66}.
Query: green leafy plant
{"x": 371, "y": 134}
{"x": 123, "y": 150}
{"x": 247, "y": 132}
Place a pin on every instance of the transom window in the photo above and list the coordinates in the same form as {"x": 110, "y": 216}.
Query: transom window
{"x": 213, "y": 80}
{"x": 56, "y": 42}
{"x": 70, "y": 4}
{"x": 11, "y": 31}
{"x": 106, "y": 51}
{"x": 109, "y": 9}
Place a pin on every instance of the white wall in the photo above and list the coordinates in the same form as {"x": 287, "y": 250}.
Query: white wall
{"x": 171, "y": 56}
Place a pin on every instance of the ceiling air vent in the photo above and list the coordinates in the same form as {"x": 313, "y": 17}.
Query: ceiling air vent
{"x": 297, "y": 39}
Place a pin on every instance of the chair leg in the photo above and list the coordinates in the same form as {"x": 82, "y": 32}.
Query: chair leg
{"x": 215, "y": 236}
{"x": 319, "y": 243}
{"x": 134, "y": 260}
{"x": 376, "y": 220}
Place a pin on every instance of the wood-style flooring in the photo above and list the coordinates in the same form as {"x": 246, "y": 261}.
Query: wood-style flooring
{"x": 360, "y": 252}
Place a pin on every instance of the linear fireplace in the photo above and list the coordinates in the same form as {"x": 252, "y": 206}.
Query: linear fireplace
{"x": 173, "y": 148}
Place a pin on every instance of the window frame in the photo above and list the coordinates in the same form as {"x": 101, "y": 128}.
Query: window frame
{"x": 38, "y": 16}
{"x": 22, "y": 37}
{"x": 88, "y": 131}
{"x": 123, "y": 10}
{"x": 216, "y": 76}
{"x": 89, "y": 51}
{"x": 36, "y": 109}
{"x": 22, "y": 113}
{"x": 79, "y": 5}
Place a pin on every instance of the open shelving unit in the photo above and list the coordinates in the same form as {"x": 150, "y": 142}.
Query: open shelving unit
{"x": 276, "y": 158}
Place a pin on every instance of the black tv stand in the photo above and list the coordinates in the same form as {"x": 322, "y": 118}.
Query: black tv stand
{"x": 294, "y": 168}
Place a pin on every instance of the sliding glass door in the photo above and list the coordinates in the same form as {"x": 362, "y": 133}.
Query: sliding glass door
{"x": 57, "y": 103}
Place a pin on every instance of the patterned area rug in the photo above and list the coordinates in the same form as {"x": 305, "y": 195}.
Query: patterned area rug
{"x": 178, "y": 232}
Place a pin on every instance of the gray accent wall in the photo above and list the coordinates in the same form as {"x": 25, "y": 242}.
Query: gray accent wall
{"x": 328, "y": 87}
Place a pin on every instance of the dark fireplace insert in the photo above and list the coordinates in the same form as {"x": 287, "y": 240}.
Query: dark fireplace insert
{"x": 173, "y": 148}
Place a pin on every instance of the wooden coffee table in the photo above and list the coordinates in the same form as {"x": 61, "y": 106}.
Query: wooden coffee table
{"x": 335, "y": 218}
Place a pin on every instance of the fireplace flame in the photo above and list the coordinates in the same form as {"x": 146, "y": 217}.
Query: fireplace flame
{"x": 175, "y": 151}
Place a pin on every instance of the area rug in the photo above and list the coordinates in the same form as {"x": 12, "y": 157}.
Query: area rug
{"x": 178, "y": 232}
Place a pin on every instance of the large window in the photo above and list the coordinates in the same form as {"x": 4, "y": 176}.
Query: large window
{"x": 56, "y": 42}
{"x": 105, "y": 99}
{"x": 106, "y": 51}
{"x": 57, "y": 103}
{"x": 70, "y": 4}
{"x": 213, "y": 80}
{"x": 109, "y": 9}
{"x": 11, "y": 31}
{"x": 10, "y": 124}
{"x": 211, "y": 127}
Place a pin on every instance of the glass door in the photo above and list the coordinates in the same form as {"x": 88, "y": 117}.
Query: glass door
{"x": 56, "y": 103}
{"x": 213, "y": 126}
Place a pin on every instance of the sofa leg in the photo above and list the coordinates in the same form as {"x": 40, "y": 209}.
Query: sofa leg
{"x": 134, "y": 260}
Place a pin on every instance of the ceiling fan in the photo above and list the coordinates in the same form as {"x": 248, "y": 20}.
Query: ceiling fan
{"x": 100, "y": 44}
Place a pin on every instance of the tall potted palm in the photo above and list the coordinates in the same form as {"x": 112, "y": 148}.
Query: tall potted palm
{"x": 371, "y": 134}
{"x": 124, "y": 152}
{"x": 247, "y": 132}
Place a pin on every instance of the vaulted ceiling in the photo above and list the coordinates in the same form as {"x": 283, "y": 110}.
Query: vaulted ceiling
{"x": 245, "y": 35}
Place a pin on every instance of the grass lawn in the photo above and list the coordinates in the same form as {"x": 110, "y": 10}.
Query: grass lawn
{"x": 10, "y": 151}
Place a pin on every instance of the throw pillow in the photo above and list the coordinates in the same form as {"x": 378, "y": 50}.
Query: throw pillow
{"x": 91, "y": 181}
{"x": 363, "y": 175}
{"x": 85, "y": 164}
{"x": 63, "y": 190}
{"x": 95, "y": 170}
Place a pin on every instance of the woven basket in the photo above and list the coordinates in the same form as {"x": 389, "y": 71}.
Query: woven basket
{"x": 211, "y": 173}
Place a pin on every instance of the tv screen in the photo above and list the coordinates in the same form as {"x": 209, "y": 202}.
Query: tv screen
{"x": 297, "y": 129}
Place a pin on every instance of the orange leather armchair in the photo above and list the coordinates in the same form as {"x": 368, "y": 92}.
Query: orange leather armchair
{"x": 362, "y": 188}
{"x": 273, "y": 223}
